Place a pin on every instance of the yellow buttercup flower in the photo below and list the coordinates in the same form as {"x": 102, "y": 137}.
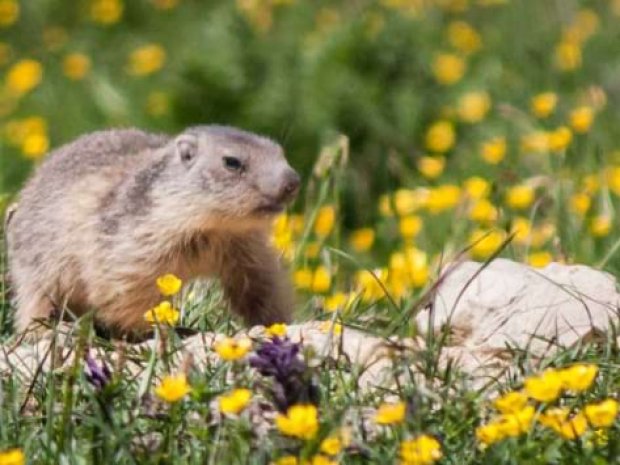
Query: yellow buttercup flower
{"x": 600, "y": 225}
{"x": 235, "y": 401}
{"x": 602, "y": 414}
{"x": 542, "y": 105}
{"x": 572, "y": 427}
{"x": 489, "y": 433}
{"x": 485, "y": 243}
{"x": 448, "y": 68}
{"x": 370, "y": 290}
{"x": 320, "y": 459}
{"x": 337, "y": 301}
{"x": 545, "y": 387}
{"x": 476, "y": 187}
{"x": 483, "y": 211}
{"x": 391, "y": 413}
{"x": 321, "y": 280}
{"x": 535, "y": 142}
{"x": 464, "y": 37}
{"x": 300, "y": 421}
{"x": 580, "y": 203}
{"x": 431, "y": 167}
{"x": 169, "y": 284}
{"x": 35, "y": 145}
{"x": 578, "y": 377}
{"x": 287, "y": 460}
{"x": 325, "y": 220}
{"x": 146, "y": 60}
{"x": 24, "y": 76}
{"x": 474, "y": 106}
{"x": 331, "y": 445}
{"x": 163, "y": 313}
{"x": 522, "y": 230}
{"x": 106, "y": 12}
{"x": 9, "y": 12}
{"x": 230, "y": 349}
{"x": 568, "y": 56}
{"x": 440, "y": 137}
{"x": 362, "y": 239}
{"x": 516, "y": 423}
{"x": 76, "y": 66}
{"x": 12, "y": 457}
{"x": 539, "y": 259}
{"x": 303, "y": 278}
{"x": 511, "y": 402}
{"x": 173, "y": 388}
{"x": 423, "y": 450}
{"x": 493, "y": 151}
{"x": 443, "y": 198}
{"x": 276, "y": 329}
{"x": 520, "y": 196}
{"x": 612, "y": 176}
{"x": 581, "y": 119}
{"x": 409, "y": 226}
{"x": 408, "y": 201}
{"x": 559, "y": 139}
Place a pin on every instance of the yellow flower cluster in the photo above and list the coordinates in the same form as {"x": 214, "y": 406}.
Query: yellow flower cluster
{"x": 163, "y": 314}
{"x": 30, "y": 135}
{"x": 300, "y": 421}
{"x": 422, "y": 450}
{"x": 146, "y": 60}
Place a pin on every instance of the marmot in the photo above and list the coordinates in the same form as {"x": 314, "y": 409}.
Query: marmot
{"x": 105, "y": 215}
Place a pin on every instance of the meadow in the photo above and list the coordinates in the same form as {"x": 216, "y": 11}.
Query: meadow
{"x": 425, "y": 131}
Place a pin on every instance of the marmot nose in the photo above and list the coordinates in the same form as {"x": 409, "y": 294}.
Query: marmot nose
{"x": 290, "y": 185}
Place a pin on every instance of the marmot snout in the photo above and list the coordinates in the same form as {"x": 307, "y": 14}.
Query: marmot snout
{"x": 107, "y": 214}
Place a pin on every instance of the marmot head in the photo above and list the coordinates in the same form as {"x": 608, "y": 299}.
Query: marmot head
{"x": 231, "y": 174}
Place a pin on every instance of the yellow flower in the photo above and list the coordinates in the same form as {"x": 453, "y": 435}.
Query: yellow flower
{"x": 9, "y": 12}
{"x": 169, "y": 284}
{"x": 235, "y": 401}
{"x": 516, "y": 423}
{"x": 313, "y": 249}
{"x": 520, "y": 196}
{"x": 321, "y": 280}
{"x": 76, "y": 66}
{"x": 320, "y": 459}
{"x": 325, "y": 219}
{"x": 331, "y": 445}
{"x": 163, "y": 313}
{"x": 543, "y": 104}
{"x": 489, "y": 434}
{"x": 329, "y": 327}
{"x": 474, "y": 106}
{"x": 410, "y": 226}
{"x": 522, "y": 229}
{"x": 158, "y": 103}
{"x": 362, "y": 239}
{"x": 300, "y": 421}
{"x": 12, "y": 457}
{"x": 494, "y": 150}
{"x": 580, "y": 203}
{"x": 560, "y": 139}
{"x": 535, "y": 142}
{"x": 146, "y": 60}
{"x": 477, "y": 187}
{"x": 423, "y": 450}
{"x": 106, "y": 12}
{"x": 463, "y": 37}
{"x": 578, "y": 377}
{"x": 568, "y": 56}
{"x": 485, "y": 243}
{"x": 287, "y": 460}
{"x": 35, "y": 145}
{"x": 165, "y": 4}
{"x": 173, "y": 388}
{"x": 511, "y": 402}
{"x": 391, "y": 414}
{"x": 338, "y": 301}
{"x": 440, "y": 137}
{"x": 448, "y": 68}
{"x": 602, "y": 414}
{"x": 368, "y": 286}
{"x": 600, "y": 225}
{"x": 303, "y": 278}
{"x": 443, "y": 198}
{"x": 581, "y": 119}
{"x": 431, "y": 167}
{"x": 408, "y": 201}
{"x": 545, "y": 387}
{"x": 612, "y": 175}
{"x": 483, "y": 212}
{"x": 276, "y": 329}
{"x": 539, "y": 259}
{"x": 572, "y": 427}
{"x": 230, "y": 349}
{"x": 24, "y": 76}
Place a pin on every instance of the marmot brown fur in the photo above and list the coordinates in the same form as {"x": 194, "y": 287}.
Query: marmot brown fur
{"x": 107, "y": 214}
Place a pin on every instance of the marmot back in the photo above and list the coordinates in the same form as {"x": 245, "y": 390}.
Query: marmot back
{"x": 105, "y": 215}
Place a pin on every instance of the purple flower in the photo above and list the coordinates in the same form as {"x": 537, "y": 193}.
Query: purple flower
{"x": 293, "y": 384}
{"x": 98, "y": 375}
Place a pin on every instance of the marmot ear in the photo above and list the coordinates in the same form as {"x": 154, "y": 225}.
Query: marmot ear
{"x": 187, "y": 148}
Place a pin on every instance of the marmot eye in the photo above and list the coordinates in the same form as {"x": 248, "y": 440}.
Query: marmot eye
{"x": 232, "y": 163}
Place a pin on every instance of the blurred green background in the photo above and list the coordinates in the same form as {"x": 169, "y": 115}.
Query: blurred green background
{"x": 525, "y": 93}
